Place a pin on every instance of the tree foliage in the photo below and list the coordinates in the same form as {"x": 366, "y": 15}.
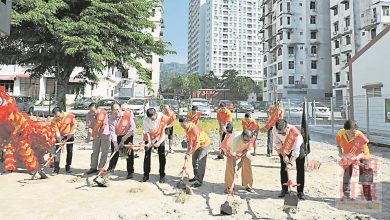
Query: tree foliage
{"x": 56, "y": 36}
{"x": 186, "y": 85}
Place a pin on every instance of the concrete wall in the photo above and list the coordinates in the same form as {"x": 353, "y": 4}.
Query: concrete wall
{"x": 5, "y": 17}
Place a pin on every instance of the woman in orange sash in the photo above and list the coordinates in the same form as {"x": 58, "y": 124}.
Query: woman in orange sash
{"x": 352, "y": 146}
{"x": 288, "y": 142}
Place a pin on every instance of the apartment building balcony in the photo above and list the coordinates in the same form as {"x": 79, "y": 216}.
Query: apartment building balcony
{"x": 369, "y": 20}
{"x": 347, "y": 30}
{"x": 335, "y": 34}
{"x": 347, "y": 48}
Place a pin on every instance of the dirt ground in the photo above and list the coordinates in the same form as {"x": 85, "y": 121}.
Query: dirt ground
{"x": 74, "y": 196}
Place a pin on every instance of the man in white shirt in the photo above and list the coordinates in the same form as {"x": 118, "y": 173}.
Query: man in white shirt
{"x": 153, "y": 126}
{"x": 280, "y": 133}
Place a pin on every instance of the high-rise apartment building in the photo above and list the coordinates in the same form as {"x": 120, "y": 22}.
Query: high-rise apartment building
{"x": 353, "y": 24}
{"x": 224, "y": 35}
{"x": 296, "y": 49}
{"x": 5, "y": 16}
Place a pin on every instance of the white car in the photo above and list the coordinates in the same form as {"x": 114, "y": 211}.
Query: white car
{"x": 295, "y": 112}
{"x": 206, "y": 111}
{"x": 320, "y": 110}
{"x": 138, "y": 106}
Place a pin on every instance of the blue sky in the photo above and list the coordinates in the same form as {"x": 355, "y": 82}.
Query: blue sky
{"x": 176, "y": 28}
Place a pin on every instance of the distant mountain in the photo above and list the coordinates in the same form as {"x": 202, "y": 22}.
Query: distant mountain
{"x": 173, "y": 68}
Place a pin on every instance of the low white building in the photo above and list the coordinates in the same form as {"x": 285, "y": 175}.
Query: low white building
{"x": 369, "y": 69}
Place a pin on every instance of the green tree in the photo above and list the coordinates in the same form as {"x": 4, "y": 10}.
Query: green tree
{"x": 193, "y": 84}
{"x": 242, "y": 86}
{"x": 56, "y": 36}
{"x": 228, "y": 78}
{"x": 210, "y": 81}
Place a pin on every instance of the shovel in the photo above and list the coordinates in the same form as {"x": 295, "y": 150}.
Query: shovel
{"x": 226, "y": 207}
{"x": 102, "y": 181}
{"x": 42, "y": 167}
{"x": 291, "y": 198}
{"x": 181, "y": 184}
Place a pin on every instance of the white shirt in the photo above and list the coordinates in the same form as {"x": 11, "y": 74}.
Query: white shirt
{"x": 149, "y": 126}
{"x": 235, "y": 143}
{"x": 279, "y": 140}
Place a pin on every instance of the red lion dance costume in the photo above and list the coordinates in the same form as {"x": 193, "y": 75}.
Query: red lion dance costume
{"x": 19, "y": 134}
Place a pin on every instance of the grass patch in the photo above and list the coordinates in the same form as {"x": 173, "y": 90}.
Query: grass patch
{"x": 207, "y": 125}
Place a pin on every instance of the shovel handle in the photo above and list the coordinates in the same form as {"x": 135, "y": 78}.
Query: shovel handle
{"x": 101, "y": 171}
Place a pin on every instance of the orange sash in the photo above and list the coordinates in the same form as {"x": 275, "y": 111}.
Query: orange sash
{"x": 195, "y": 117}
{"x": 290, "y": 140}
{"x": 161, "y": 127}
{"x": 98, "y": 122}
{"x": 171, "y": 115}
{"x": 353, "y": 148}
{"x": 272, "y": 120}
{"x": 65, "y": 123}
{"x": 123, "y": 123}
{"x": 251, "y": 125}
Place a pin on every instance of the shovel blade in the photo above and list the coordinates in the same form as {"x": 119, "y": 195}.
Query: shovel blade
{"x": 291, "y": 200}
{"x": 42, "y": 174}
{"x": 181, "y": 185}
{"x": 100, "y": 181}
{"x": 227, "y": 209}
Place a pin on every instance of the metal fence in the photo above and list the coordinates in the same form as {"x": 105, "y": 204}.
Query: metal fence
{"x": 329, "y": 115}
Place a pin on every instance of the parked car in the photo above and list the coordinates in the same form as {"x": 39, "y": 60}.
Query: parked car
{"x": 197, "y": 102}
{"x": 294, "y": 111}
{"x": 256, "y": 105}
{"x": 229, "y": 104}
{"x": 24, "y": 104}
{"x": 244, "y": 106}
{"x": 173, "y": 104}
{"x": 206, "y": 111}
{"x": 106, "y": 104}
{"x": 139, "y": 106}
{"x": 84, "y": 102}
{"x": 319, "y": 110}
{"x": 122, "y": 99}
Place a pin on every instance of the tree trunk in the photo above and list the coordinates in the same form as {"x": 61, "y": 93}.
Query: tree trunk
{"x": 62, "y": 88}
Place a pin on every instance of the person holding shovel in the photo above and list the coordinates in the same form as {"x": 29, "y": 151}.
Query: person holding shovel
{"x": 288, "y": 142}
{"x": 198, "y": 147}
{"x": 236, "y": 146}
{"x": 122, "y": 128}
{"x": 153, "y": 126}
{"x": 64, "y": 125}
{"x": 169, "y": 130}
{"x": 353, "y": 149}
{"x": 224, "y": 118}
{"x": 250, "y": 124}
{"x": 194, "y": 115}
{"x": 99, "y": 133}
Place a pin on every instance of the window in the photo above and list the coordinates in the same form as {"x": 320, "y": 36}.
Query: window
{"x": 346, "y": 5}
{"x": 314, "y": 80}
{"x": 265, "y": 71}
{"x": 281, "y": 21}
{"x": 385, "y": 10}
{"x": 288, "y": 20}
{"x": 348, "y": 39}
{"x": 313, "y": 49}
{"x": 265, "y": 83}
{"x": 335, "y": 11}
{"x": 313, "y": 35}
{"x": 374, "y": 92}
{"x": 314, "y": 64}
{"x": 337, "y": 77}
{"x": 291, "y": 80}
{"x": 288, "y": 6}
{"x": 336, "y": 26}
{"x": 290, "y": 50}
{"x": 265, "y": 58}
{"x": 280, "y": 80}
{"x": 280, "y": 7}
{"x": 312, "y": 19}
{"x": 8, "y": 85}
{"x": 348, "y": 57}
{"x": 280, "y": 52}
{"x": 289, "y": 35}
{"x": 280, "y": 66}
{"x": 347, "y": 21}
{"x": 336, "y": 43}
{"x": 291, "y": 65}
{"x": 313, "y": 5}
{"x": 337, "y": 60}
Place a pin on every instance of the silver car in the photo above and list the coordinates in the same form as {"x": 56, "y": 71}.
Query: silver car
{"x": 25, "y": 104}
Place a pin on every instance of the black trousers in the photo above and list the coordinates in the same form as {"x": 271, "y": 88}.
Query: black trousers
{"x": 300, "y": 166}
{"x": 129, "y": 160}
{"x": 69, "y": 153}
{"x": 347, "y": 179}
{"x": 161, "y": 159}
{"x": 269, "y": 141}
